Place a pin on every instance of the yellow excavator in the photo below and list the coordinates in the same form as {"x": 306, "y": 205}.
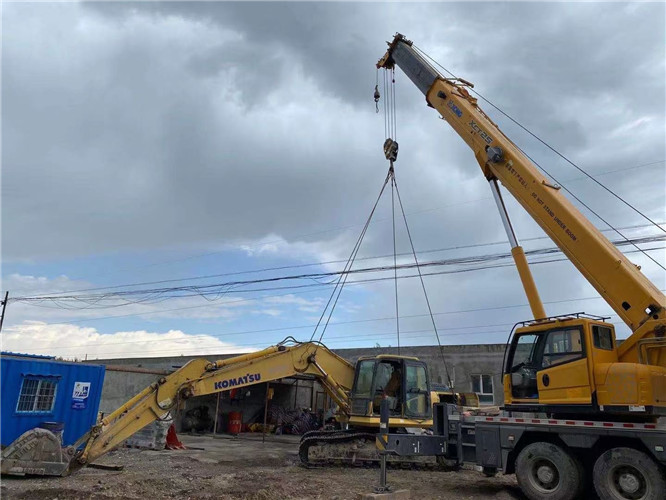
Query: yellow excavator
{"x": 357, "y": 390}
{"x": 569, "y": 365}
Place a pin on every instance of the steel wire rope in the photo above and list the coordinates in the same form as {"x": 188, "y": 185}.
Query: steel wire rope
{"x": 421, "y": 52}
{"x": 343, "y": 277}
{"x": 425, "y": 293}
{"x": 395, "y": 263}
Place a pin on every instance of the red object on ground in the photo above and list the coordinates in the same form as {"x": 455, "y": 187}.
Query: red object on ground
{"x": 235, "y": 422}
{"x": 172, "y": 441}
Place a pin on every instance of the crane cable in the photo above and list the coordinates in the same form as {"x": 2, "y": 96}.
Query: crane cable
{"x": 342, "y": 278}
{"x": 395, "y": 256}
{"x": 425, "y": 55}
{"x": 391, "y": 153}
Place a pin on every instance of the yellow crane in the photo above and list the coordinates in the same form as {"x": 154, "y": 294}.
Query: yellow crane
{"x": 572, "y": 364}
{"x": 357, "y": 390}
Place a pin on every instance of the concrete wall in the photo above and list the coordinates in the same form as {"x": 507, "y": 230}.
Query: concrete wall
{"x": 461, "y": 361}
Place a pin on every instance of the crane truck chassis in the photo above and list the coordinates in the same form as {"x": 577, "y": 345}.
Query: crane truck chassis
{"x": 552, "y": 459}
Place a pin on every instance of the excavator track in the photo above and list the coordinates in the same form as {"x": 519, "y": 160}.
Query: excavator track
{"x": 352, "y": 448}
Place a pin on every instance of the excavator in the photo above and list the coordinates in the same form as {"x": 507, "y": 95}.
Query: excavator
{"x": 356, "y": 389}
{"x": 568, "y": 365}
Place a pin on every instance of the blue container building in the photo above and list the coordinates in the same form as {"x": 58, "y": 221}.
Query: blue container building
{"x": 39, "y": 389}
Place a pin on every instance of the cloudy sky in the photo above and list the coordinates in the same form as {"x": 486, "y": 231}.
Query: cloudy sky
{"x": 147, "y": 142}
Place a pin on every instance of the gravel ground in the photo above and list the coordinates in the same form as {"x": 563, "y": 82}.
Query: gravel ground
{"x": 245, "y": 469}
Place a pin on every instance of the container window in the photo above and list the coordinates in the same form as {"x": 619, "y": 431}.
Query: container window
{"x": 37, "y": 395}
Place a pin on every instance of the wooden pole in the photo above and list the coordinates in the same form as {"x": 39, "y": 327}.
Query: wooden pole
{"x": 217, "y": 412}
{"x": 268, "y": 397}
{"x": 4, "y": 306}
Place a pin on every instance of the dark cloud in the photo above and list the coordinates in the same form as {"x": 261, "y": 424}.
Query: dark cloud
{"x": 136, "y": 126}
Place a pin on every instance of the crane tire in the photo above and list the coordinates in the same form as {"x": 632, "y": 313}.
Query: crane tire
{"x": 626, "y": 473}
{"x": 547, "y": 472}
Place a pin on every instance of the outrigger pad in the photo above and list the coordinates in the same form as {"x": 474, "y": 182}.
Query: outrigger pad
{"x": 36, "y": 452}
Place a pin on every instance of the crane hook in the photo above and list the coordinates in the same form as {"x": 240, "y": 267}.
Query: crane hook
{"x": 377, "y": 96}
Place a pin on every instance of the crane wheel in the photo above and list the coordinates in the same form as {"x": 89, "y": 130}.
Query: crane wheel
{"x": 547, "y": 472}
{"x": 628, "y": 474}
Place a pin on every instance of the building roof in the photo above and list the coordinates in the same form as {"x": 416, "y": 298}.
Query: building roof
{"x": 25, "y": 355}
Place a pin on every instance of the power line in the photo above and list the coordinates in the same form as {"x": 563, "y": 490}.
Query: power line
{"x": 564, "y": 158}
{"x": 218, "y": 336}
{"x": 322, "y": 263}
{"x": 389, "y": 318}
{"x": 344, "y": 228}
{"x": 217, "y": 290}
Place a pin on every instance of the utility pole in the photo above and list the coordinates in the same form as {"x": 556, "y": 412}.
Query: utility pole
{"x": 4, "y": 306}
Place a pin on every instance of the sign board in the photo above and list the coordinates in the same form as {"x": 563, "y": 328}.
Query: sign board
{"x": 80, "y": 395}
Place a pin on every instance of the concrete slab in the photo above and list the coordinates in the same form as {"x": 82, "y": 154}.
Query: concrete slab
{"x": 391, "y": 495}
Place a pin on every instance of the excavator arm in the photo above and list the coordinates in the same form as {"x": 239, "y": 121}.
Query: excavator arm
{"x": 197, "y": 378}
{"x": 639, "y": 303}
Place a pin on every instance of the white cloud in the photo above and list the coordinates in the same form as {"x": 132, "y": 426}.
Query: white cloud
{"x": 303, "y": 304}
{"x": 228, "y": 307}
{"x": 73, "y": 341}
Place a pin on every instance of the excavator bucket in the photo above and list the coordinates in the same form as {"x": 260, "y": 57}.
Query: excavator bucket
{"x": 37, "y": 452}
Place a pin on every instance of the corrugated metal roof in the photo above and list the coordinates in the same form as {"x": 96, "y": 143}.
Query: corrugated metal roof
{"x": 25, "y": 355}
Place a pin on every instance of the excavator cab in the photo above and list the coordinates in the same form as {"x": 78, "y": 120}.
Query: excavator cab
{"x": 403, "y": 381}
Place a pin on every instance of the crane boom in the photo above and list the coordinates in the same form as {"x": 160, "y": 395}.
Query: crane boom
{"x": 639, "y": 303}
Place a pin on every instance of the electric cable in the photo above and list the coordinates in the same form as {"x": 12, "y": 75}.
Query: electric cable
{"x": 421, "y": 52}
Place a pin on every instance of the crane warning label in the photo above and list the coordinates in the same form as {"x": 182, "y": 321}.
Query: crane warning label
{"x": 555, "y": 218}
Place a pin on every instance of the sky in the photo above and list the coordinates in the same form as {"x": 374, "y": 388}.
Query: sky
{"x": 145, "y": 142}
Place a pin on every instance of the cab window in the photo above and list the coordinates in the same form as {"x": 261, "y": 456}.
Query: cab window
{"x": 364, "y": 380}
{"x": 603, "y": 337}
{"x": 524, "y": 351}
{"x": 416, "y": 390}
{"x": 562, "y": 346}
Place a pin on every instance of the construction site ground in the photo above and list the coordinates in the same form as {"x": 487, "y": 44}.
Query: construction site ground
{"x": 233, "y": 468}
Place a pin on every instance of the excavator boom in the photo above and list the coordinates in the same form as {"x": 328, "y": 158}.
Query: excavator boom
{"x": 38, "y": 452}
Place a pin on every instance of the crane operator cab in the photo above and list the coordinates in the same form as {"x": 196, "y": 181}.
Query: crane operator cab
{"x": 569, "y": 365}
{"x": 403, "y": 381}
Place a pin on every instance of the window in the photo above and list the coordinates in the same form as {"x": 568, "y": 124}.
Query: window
{"x": 603, "y": 337}
{"x": 525, "y": 348}
{"x": 482, "y": 385}
{"x": 364, "y": 379}
{"x": 417, "y": 390}
{"x": 37, "y": 395}
{"x": 562, "y": 346}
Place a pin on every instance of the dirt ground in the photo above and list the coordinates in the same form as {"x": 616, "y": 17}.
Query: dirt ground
{"x": 246, "y": 468}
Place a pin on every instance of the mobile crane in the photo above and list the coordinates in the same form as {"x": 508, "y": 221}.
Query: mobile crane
{"x": 602, "y": 400}
{"x": 356, "y": 389}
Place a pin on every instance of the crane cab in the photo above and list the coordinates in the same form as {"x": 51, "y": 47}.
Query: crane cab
{"x": 402, "y": 380}
{"x": 568, "y": 365}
